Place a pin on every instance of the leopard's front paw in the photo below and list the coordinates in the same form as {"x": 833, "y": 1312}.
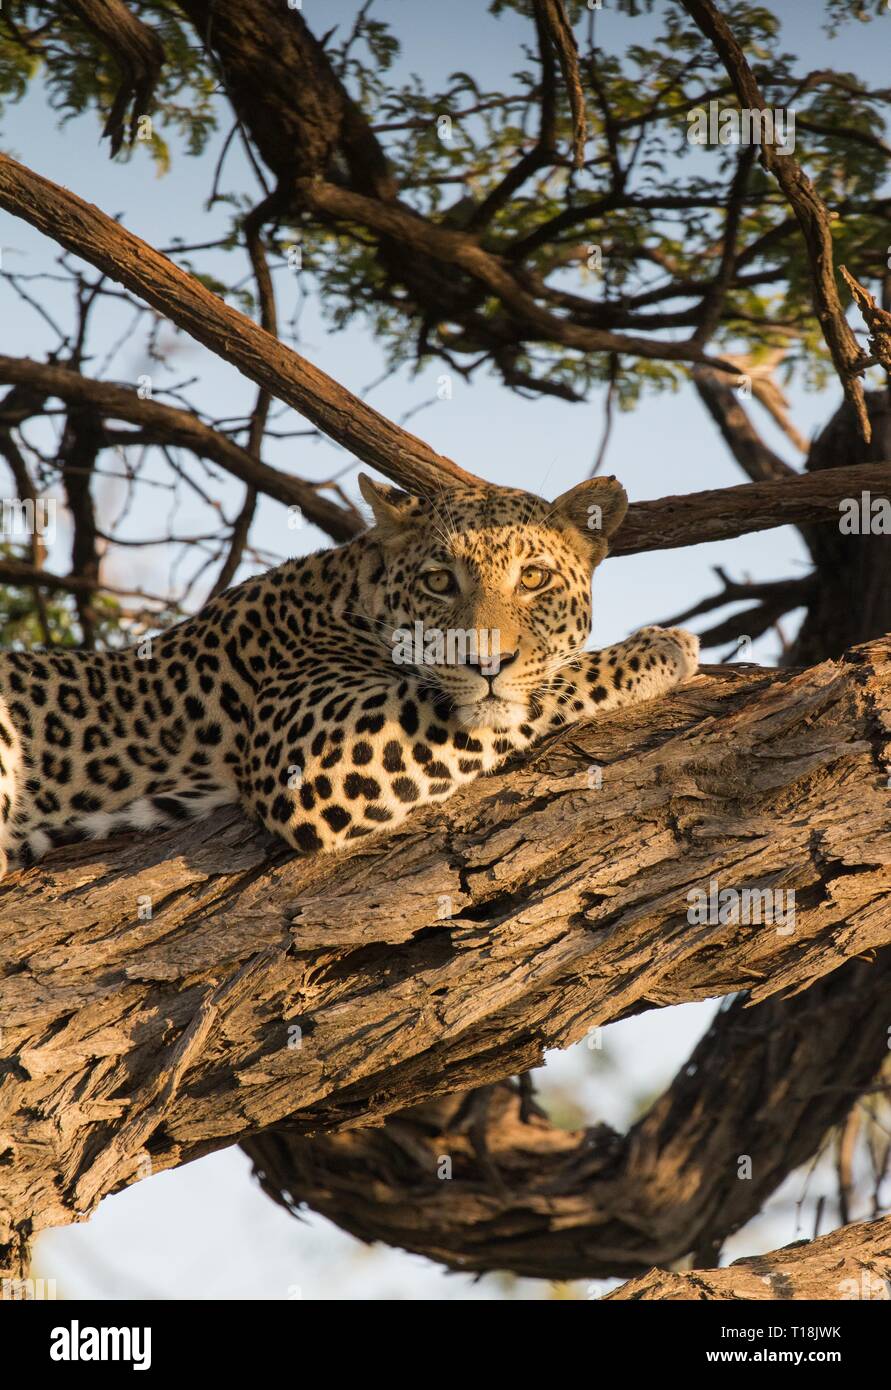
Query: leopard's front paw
{"x": 680, "y": 646}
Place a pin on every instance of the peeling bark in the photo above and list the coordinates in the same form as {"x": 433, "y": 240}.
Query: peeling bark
{"x": 853, "y": 1263}
{"x": 536, "y": 906}
{"x": 527, "y": 1196}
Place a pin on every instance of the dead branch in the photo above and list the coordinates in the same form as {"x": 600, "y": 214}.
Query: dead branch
{"x": 878, "y": 321}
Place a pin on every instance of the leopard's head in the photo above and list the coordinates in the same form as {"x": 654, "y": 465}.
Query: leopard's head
{"x": 486, "y": 591}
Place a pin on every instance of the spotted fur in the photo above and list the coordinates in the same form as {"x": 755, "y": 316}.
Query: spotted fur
{"x": 283, "y": 693}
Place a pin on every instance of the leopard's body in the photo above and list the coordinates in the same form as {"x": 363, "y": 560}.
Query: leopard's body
{"x": 285, "y": 692}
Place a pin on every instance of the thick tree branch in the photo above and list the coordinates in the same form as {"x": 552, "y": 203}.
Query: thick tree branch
{"x": 668, "y": 522}
{"x": 280, "y": 82}
{"x": 527, "y": 1196}
{"x": 851, "y": 1263}
{"x": 151, "y": 994}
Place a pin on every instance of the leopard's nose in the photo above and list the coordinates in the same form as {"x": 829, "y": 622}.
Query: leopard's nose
{"x": 490, "y": 667}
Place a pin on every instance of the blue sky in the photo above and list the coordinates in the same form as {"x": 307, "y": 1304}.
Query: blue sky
{"x": 667, "y": 445}
{"x": 206, "y": 1231}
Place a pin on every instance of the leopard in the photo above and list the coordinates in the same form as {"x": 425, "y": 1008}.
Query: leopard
{"x": 326, "y": 695}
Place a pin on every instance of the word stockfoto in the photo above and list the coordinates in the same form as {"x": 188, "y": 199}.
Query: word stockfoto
{"x": 728, "y": 125}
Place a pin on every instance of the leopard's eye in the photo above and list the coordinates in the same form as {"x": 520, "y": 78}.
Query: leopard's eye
{"x": 534, "y": 577}
{"x": 439, "y": 582}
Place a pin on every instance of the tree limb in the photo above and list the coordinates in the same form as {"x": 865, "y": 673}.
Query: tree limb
{"x": 668, "y": 522}
{"x": 772, "y": 599}
{"x": 757, "y": 460}
{"x": 852, "y": 600}
{"x": 851, "y": 1263}
{"x": 664, "y": 523}
{"x": 556, "y": 25}
{"x": 101, "y": 241}
{"x": 259, "y": 53}
{"x": 878, "y": 321}
{"x": 138, "y": 53}
{"x": 253, "y": 225}
{"x": 809, "y": 208}
{"x": 335, "y": 410}
{"x": 528, "y": 1196}
{"x": 172, "y": 425}
{"x": 151, "y": 994}
{"x": 22, "y": 574}
{"x": 281, "y": 83}
{"x": 396, "y": 220}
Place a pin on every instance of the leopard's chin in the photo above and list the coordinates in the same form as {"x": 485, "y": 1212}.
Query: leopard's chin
{"x": 493, "y": 713}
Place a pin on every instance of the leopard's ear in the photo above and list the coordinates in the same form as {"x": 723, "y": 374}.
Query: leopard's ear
{"x": 389, "y": 506}
{"x": 595, "y": 507}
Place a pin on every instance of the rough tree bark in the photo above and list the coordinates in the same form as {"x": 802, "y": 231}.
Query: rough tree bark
{"x": 150, "y": 993}
{"x": 137, "y": 1041}
{"x": 549, "y": 1203}
{"x": 853, "y": 1263}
